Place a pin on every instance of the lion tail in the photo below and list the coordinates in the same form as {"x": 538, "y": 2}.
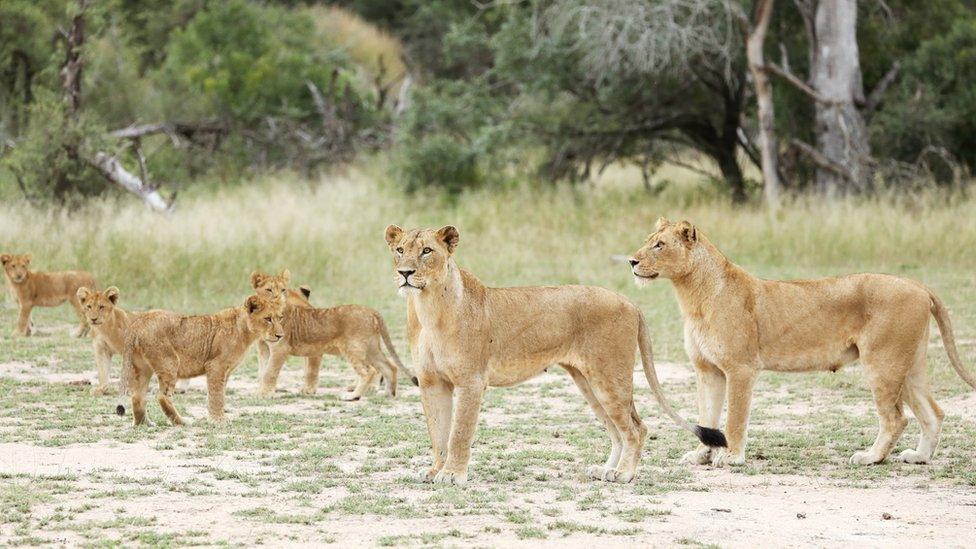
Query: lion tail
{"x": 392, "y": 350}
{"x": 941, "y": 315}
{"x": 708, "y": 436}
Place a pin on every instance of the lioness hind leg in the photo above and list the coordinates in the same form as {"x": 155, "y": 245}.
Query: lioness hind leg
{"x": 918, "y": 395}
{"x": 596, "y": 471}
{"x": 616, "y": 396}
{"x": 887, "y": 389}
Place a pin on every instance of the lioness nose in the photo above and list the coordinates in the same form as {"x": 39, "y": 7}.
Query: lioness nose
{"x": 406, "y": 273}
{"x": 634, "y": 262}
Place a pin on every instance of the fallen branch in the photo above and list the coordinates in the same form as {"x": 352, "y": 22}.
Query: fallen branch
{"x": 797, "y": 82}
{"x": 822, "y": 161}
{"x": 112, "y": 169}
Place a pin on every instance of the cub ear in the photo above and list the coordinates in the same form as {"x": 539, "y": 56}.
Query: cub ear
{"x": 27, "y": 258}
{"x": 306, "y": 291}
{"x": 661, "y": 223}
{"x": 112, "y": 293}
{"x": 286, "y": 276}
{"x": 83, "y": 293}
{"x": 4, "y": 259}
{"x": 393, "y": 234}
{"x": 257, "y": 278}
{"x": 253, "y": 303}
{"x": 687, "y": 232}
{"x": 449, "y": 235}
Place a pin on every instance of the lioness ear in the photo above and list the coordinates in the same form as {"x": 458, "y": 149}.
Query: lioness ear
{"x": 5, "y": 258}
{"x": 83, "y": 293}
{"x": 449, "y": 235}
{"x": 687, "y": 232}
{"x": 286, "y": 276}
{"x": 256, "y": 279}
{"x": 112, "y": 293}
{"x": 661, "y": 223}
{"x": 252, "y": 304}
{"x": 393, "y": 234}
{"x": 306, "y": 291}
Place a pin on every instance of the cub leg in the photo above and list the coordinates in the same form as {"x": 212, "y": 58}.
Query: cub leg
{"x": 216, "y": 384}
{"x": 264, "y": 353}
{"x": 83, "y": 326}
{"x": 387, "y": 370}
{"x": 918, "y": 395}
{"x": 711, "y": 398}
{"x": 463, "y": 425}
{"x": 167, "y": 384}
{"x": 367, "y": 375}
{"x": 738, "y": 391}
{"x": 23, "y": 322}
{"x": 437, "y": 398}
{"x": 269, "y": 380}
{"x": 312, "y": 366}
{"x": 138, "y": 387}
{"x": 616, "y": 398}
{"x": 103, "y": 362}
{"x": 597, "y": 472}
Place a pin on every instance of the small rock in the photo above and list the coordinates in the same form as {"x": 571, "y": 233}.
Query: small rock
{"x": 886, "y": 516}
{"x": 801, "y": 515}
{"x": 721, "y": 510}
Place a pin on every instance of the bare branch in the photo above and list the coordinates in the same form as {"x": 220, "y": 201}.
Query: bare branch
{"x": 822, "y": 161}
{"x": 796, "y": 81}
{"x": 112, "y": 169}
{"x": 874, "y": 98}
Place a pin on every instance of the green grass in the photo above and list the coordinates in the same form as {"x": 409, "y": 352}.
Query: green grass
{"x": 307, "y": 469}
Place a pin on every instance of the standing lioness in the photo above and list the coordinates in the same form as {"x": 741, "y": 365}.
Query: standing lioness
{"x": 737, "y": 324}
{"x": 465, "y": 337}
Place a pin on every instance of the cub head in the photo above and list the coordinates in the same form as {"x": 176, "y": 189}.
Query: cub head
{"x": 16, "y": 267}
{"x": 271, "y": 286}
{"x": 420, "y": 256}
{"x": 98, "y": 306}
{"x": 265, "y": 316}
{"x": 668, "y": 252}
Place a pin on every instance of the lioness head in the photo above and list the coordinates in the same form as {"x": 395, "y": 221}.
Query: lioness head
{"x": 420, "y": 256}
{"x": 271, "y": 286}
{"x": 264, "y": 316}
{"x": 98, "y": 306}
{"x": 16, "y": 267}
{"x": 668, "y": 252}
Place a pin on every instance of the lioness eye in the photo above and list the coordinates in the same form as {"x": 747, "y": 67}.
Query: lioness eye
{"x": 399, "y": 250}
{"x": 659, "y": 245}
{"x": 268, "y": 320}
{"x": 427, "y": 251}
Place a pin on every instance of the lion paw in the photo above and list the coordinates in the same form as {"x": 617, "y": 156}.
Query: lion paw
{"x": 913, "y": 456}
{"x": 623, "y": 477}
{"x": 449, "y": 477}
{"x": 700, "y": 456}
{"x": 596, "y": 472}
{"x": 427, "y": 475}
{"x": 308, "y": 391}
{"x": 264, "y": 392}
{"x": 99, "y": 391}
{"x": 865, "y": 458}
{"x": 350, "y": 397}
{"x": 724, "y": 458}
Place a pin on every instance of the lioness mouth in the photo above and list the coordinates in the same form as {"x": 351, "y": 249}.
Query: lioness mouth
{"x": 651, "y": 276}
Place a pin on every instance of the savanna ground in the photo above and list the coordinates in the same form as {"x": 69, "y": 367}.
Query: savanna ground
{"x": 317, "y": 470}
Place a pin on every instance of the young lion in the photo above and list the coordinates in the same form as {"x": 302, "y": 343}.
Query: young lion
{"x": 353, "y": 332}
{"x": 175, "y": 346}
{"x": 37, "y": 289}
{"x": 465, "y": 336}
{"x": 737, "y": 325}
{"x": 276, "y": 287}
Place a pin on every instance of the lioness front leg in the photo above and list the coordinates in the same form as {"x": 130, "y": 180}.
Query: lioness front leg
{"x": 711, "y": 398}
{"x": 739, "y": 385}
{"x": 437, "y": 398}
{"x": 463, "y": 425}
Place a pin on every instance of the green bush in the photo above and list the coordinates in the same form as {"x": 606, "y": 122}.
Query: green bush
{"x": 439, "y": 161}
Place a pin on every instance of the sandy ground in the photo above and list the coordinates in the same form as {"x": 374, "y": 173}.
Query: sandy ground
{"x": 736, "y": 510}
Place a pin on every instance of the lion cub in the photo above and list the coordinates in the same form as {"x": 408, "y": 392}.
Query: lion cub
{"x": 174, "y": 346}
{"x": 36, "y": 289}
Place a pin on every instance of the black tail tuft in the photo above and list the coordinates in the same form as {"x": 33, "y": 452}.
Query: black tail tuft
{"x": 712, "y": 438}
{"x": 120, "y": 409}
{"x": 415, "y": 381}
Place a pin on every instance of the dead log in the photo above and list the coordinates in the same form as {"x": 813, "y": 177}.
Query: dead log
{"x": 112, "y": 169}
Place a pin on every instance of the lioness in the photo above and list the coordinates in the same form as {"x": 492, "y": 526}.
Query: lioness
{"x": 37, "y": 289}
{"x": 353, "y": 332}
{"x": 465, "y": 336}
{"x": 737, "y": 324}
{"x": 175, "y": 346}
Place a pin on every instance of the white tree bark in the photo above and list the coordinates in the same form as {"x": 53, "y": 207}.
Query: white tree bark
{"x": 836, "y": 76}
{"x": 764, "y": 102}
{"x": 113, "y": 170}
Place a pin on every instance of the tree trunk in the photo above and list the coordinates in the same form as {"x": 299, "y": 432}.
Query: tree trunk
{"x": 74, "y": 39}
{"x": 836, "y": 75}
{"x": 729, "y": 166}
{"x": 764, "y": 101}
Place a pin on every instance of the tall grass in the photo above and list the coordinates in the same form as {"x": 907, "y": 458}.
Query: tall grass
{"x": 330, "y": 234}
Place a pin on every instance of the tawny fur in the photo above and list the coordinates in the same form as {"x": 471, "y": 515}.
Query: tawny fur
{"x": 174, "y": 346}
{"x": 39, "y": 289}
{"x": 736, "y": 325}
{"x": 465, "y": 336}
